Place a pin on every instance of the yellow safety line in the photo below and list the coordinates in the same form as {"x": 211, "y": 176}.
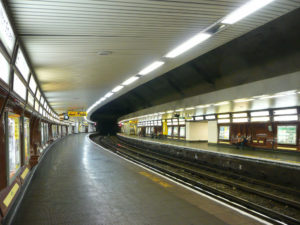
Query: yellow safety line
{"x": 155, "y": 179}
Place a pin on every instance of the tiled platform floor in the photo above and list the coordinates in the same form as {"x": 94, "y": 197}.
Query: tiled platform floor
{"x": 279, "y": 156}
{"x": 80, "y": 183}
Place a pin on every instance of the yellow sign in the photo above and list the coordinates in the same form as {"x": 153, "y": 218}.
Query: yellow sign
{"x": 11, "y": 195}
{"x": 76, "y": 114}
{"x": 165, "y": 128}
{"x": 24, "y": 174}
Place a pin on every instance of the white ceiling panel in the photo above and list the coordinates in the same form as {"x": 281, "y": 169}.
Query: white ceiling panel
{"x": 63, "y": 39}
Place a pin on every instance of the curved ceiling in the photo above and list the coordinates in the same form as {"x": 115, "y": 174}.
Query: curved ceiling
{"x": 65, "y": 40}
{"x": 268, "y": 51}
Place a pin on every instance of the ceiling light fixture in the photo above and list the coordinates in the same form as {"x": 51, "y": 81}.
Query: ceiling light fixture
{"x": 151, "y": 67}
{"x": 221, "y": 103}
{"x": 118, "y": 88}
{"x": 192, "y": 42}
{"x": 243, "y": 100}
{"x": 130, "y": 80}
{"x": 190, "y": 108}
{"x": 108, "y": 95}
{"x": 245, "y": 10}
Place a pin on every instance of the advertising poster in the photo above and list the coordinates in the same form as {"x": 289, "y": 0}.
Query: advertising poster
{"x": 224, "y": 132}
{"x": 287, "y": 135}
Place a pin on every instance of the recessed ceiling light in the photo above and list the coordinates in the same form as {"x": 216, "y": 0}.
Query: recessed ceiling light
{"x": 243, "y": 100}
{"x": 130, "y": 80}
{"x": 190, "y": 108}
{"x": 108, "y": 95}
{"x": 151, "y": 67}
{"x": 245, "y": 10}
{"x": 197, "y": 39}
{"x": 118, "y": 88}
{"x": 104, "y": 53}
{"x": 222, "y": 103}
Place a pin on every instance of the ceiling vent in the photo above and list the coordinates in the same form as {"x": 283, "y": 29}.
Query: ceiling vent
{"x": 105, "y": 53}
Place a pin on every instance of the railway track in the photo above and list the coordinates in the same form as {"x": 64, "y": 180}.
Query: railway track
{"x": 277, "y": 204}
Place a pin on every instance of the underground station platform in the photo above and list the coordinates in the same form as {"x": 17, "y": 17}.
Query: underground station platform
{"x": 149, "y": 112}
{"x": 80, "y": 182}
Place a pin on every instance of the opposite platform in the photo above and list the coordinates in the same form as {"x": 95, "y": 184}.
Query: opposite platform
{"x": 292, "y": 158}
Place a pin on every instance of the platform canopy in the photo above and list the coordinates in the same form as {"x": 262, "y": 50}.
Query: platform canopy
{"x": 82, "y": 49}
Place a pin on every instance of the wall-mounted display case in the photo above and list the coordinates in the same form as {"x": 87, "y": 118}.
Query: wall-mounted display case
{"x": 14, "y": 145}
{"x": 287, "y": 135}
{"x": 224, "y": 132}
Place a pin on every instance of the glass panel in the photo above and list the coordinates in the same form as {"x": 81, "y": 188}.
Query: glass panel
{"x": 38, "y": 95}
{"x": 64, "y": 130}
{"x": 4, "y": 69}
{"x": 42, "y": 134}
{"x": 42, "y": 100}
{"x": 30, "y": 99}
{"x": 170, "y": 131}
{"x": 7, "y": 35}
{"x": 22, "y": 64}
{"x": 175, "y": 131}
{"x": 224, "y": 132}
{"x": 54, "y": 131}
{"x": 36, "y": 107}
{"x": 26, "y": 139}
{"x": 19, "y": 87}
{"x": 287, "y": 135}
{"x": 32, "y": 84}
{"x": 45, "y": 133}
{"x": 14, "y": 148}
{"x": 182, "y": 131}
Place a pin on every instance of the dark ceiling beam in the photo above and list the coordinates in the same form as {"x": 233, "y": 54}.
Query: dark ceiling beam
{"x": 173, "y": 85}
{"x": 200, "y": 71}
{"x": 144, "y": 102}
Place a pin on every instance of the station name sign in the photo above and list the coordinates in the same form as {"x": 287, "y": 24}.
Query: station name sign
{"x": 76, "y": 114}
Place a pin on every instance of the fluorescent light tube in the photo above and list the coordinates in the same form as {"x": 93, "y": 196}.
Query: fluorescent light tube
{"x": 245, "y": 10}
{"x": 108, "y": 95}
{"x": 118, "y": 88}
{"x": 260, "y": 119}
{"x": 239, "y": 115}
{"x": 221, "y": 103}
{"x": 199, "y": 118}
{"x": 130, "y": 80}
{"x": 211, "y": 117}
{"x": 223, "y": 116}
{"x": 285, "y": 111}
{"x": 224, "y": 121}
{"x": 243, "y": 100}
{"x": 151, "y": 67}
{"x": 260, "y": 113}
{"x": 192, "y": 42}
{"x": 240, "y": 120}
{"x": 286, "y": 118}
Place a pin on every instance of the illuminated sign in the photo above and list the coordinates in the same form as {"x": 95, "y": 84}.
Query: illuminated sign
{"x": 4, "y": 69}
{"x": 76, "y": 114}
{"x": 22, "y": 64}
{"x": 7, "y": 35}
{"x": 287, "y": 135}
